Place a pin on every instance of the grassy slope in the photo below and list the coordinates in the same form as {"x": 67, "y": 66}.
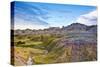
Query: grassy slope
{"x": 44, "y": 49}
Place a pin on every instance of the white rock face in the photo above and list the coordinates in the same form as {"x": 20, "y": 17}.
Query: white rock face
{"x": 30, "y": 61}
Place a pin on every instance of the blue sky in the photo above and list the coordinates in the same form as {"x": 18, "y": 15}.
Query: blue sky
{"x": 36, "y": 15}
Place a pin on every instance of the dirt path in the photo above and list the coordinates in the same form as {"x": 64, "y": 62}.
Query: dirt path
{"x": 20, "y": 59}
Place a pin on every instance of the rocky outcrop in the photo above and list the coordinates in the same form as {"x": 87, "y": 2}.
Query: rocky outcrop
{"x": 56, "y": 30}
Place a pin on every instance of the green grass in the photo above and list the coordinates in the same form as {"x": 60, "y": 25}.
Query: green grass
{"x": 44, "y": 49}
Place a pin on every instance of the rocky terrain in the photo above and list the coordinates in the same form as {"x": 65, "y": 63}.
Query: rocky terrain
{"x": 72, "y": 43}
{"x": 56, "y": 30}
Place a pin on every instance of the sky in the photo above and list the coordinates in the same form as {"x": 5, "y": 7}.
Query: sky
{"x": 35, "y": 15}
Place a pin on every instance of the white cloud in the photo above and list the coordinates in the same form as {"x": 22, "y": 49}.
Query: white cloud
{"x": 88, "y": 19}
{"x": 29, "y": 27}
{"x": 23, "y": 24}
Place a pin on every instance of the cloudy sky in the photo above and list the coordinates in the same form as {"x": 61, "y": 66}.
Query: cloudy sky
{"x": 43, "y": 15}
